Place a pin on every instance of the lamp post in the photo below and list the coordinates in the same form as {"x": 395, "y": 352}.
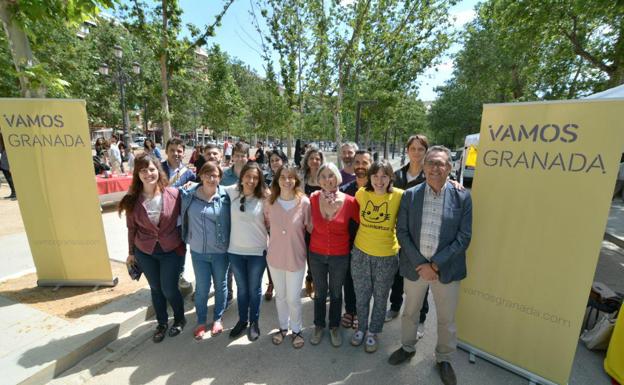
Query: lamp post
{"x": 358, "y": 122}
{"x": 122, "y": 78}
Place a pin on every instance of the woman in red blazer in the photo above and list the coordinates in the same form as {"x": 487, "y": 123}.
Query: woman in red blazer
{"x": 154, "y": 241}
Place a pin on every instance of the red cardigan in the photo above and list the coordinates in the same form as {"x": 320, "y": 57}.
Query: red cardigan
{"x": 144, "y": 234}
{"x": 332, "y": 237}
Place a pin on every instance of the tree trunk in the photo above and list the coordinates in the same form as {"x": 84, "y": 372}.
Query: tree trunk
{"x": 338, "y": 119}
{"x": 20, "y": 50}
{"x": 164, "y": 81}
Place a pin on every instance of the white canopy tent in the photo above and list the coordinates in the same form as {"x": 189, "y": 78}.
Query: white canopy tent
{"x": 615, "y": 92}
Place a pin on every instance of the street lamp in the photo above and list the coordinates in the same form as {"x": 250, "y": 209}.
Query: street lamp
{"x": 122, "y": 78}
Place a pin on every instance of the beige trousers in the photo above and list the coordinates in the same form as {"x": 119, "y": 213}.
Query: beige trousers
{"x": 445, "y": 297}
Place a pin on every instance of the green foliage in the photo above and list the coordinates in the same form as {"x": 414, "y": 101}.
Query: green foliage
{"x": 530, "y": 50}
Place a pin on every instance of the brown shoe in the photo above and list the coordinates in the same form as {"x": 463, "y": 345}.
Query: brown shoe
{"x": 447, "y": 374}
{"x": 269, "y": 292}
{"x": 309, "y": 288}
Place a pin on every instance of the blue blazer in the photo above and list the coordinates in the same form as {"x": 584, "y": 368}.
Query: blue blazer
{"x": 455, "y": 233}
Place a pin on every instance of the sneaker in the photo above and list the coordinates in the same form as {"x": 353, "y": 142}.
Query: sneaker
{"x": 238, "y": 329}
{"x": 371, "y": 343}
{"x": 420, "y": 332}
{"x": 400, "y": 356}
{"x": 317, "y": 336}
{"x": 253, "y": 332}
{"x": 177, "y": 327}
{"x": 390, "y": 315}
{"x": 358, "y": 338}
{"x": 159, "y": 333}
{"x": 335, "y": 337}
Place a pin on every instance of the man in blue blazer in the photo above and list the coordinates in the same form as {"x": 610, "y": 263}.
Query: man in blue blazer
{"x": 434, "y": 227}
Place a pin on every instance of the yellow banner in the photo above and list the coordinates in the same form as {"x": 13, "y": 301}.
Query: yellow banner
{"x": 542, "y": 192}
{"x": 49, "y": 149}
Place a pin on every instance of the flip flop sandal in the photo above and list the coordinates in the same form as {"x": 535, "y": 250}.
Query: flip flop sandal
{"x": 347, "y": 320}
{"x": 278, "y": 336}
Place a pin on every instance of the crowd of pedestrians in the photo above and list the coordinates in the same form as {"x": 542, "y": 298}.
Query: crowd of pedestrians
{"x": 355, "y": 233}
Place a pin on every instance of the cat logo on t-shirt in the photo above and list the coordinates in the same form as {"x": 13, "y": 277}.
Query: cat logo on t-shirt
{"x": 375, "y": 214}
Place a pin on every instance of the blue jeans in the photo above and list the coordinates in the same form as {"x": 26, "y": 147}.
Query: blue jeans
{"x": 209, "y": 268}
{"x": 248, "y": 271}
{"x": 162, "y": 271}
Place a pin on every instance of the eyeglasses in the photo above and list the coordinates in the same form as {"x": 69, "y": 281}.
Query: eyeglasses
{"x": 242, "y": 204}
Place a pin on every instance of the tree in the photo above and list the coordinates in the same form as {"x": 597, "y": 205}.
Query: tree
{"x": 19, "y": 19}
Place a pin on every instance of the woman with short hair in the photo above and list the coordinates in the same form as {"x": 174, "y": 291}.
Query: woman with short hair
{"x": 206, "y": 229}
{"x": 332, "y": 211}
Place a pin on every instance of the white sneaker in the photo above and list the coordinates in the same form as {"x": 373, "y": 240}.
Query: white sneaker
{"x": 420, "y": 332}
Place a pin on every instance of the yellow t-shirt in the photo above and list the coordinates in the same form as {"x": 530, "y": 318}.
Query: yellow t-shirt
{"x": 378, "y": 215}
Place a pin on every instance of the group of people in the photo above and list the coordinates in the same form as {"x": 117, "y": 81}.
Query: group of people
{"x": 354, "y": 230}
{"x": 113, "y": 155}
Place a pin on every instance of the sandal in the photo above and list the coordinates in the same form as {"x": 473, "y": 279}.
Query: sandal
{"x": 217, "y": 328}
{"x": 297, "y": 340}
{"x": 278, "y": 336}
{"x": 199, "y": 332}
{"x": 347, "y": 320}
{"x": 159, "y": 333}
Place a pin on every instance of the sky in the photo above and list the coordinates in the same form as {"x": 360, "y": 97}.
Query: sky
{"x": 238, "y": 37}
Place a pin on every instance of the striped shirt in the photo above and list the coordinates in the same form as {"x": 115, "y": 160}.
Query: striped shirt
{"x": 433, "y": 205}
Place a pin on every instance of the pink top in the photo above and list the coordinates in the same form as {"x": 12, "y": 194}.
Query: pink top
{"x": 331, "y": 237}
{"x": 287, "y": 248}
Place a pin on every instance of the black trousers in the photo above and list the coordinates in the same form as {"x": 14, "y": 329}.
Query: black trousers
{"x": 9, "y": 178}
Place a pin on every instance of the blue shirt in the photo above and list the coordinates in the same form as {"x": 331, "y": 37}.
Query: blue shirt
{"x": 186, "y": 176}
{"x": 202, "y": 221}
{"x": 229, "y": 177}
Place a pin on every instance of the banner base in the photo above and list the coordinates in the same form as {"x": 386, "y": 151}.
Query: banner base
{"x": 532, "y": 377}
{"x": 61, "y": 283}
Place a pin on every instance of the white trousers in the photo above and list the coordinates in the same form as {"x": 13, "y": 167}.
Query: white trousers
{"x": 287, "y": 286}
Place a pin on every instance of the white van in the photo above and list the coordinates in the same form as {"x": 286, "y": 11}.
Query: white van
{"x": 466, "y": 173}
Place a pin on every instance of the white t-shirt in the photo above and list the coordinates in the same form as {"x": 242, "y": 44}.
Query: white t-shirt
{"x": 248, "y": 234}
{"x": 154, "y": 208}
{"x": 114, "y": 154}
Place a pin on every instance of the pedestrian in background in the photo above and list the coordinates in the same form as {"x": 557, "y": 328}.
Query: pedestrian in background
{"x": 374, "y": 260}
{"x": 206, "y": 229}
{"x": 288, "y": 216}
{"x": 152, "y": 210}
{"x": 6, "y": 169}
{"x": 150, "y": 148}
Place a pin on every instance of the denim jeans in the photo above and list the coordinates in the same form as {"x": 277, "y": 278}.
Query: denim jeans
{"x": 162, "y": 271}
{"x": 248, "y": 271}
{"x": 209, "y": 267}
{"x": 328, "y": 272}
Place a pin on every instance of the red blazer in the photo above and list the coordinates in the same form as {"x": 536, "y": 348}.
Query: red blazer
{"x": 143, "y": 234}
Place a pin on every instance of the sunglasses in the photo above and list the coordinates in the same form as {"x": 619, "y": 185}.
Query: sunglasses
{"x": 242, "y": 204}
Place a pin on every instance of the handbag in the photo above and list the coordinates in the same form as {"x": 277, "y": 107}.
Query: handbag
{"x": 134, "y": 271}
{"x": 599, "y": 336}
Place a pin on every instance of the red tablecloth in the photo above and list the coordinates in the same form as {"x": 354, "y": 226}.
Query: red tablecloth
{"x": 113, "y": 184}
